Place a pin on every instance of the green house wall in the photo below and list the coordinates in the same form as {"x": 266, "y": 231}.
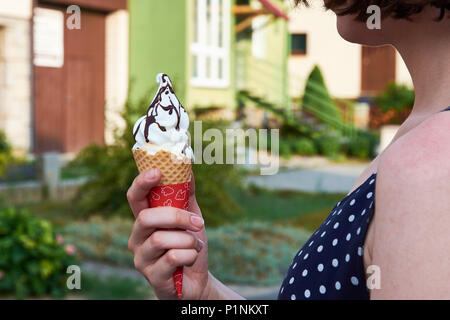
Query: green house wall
{"x": 160, "y": 35}
{"x": 158, "y": 43}
{"x": 266, "y": 78}
{"x": 210, "y": 97}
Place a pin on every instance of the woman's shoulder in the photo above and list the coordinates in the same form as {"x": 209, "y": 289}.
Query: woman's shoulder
{"x": 413, "y": 178}
{"x": 412, "y": 213}
{"x": 423, "y": 153}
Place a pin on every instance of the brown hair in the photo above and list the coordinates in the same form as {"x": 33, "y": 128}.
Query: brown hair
{"x": 400, "y": 9}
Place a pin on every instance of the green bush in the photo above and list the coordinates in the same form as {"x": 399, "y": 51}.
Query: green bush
{"x": 285, "y": 149}
{"x": 113, "y": 169}
{"x": 6, "y": 157}
{"x": 317, "y": 100}
{"x": 305, "y": 147}
{"x": 396, "y": 97}
{"x": 329, "y": 144}
{"x": 32, "y": 262}
{"x": 359, "y": 147}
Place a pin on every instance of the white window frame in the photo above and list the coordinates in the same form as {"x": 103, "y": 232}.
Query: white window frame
{"x": 259, "y": 37}
{"x": 209, "y": 49}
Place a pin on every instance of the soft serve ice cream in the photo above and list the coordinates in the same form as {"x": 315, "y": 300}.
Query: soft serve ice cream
{"x": 162, "y": 142}
{"x": 165, "y": 126}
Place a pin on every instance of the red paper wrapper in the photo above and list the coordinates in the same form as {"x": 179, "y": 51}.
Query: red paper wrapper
{"x": 177, "y": 196}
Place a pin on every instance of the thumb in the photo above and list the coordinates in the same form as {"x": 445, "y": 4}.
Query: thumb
{"x": 139, "y": 190}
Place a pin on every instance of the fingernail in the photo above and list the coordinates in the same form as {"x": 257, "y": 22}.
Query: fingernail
{"x": 197, "y": 221}
{"x": 200, "y": 244}
{"x": 149, "y": 175}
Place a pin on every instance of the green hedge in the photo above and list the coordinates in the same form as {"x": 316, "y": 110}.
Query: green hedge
{"x": 32, "y": 262}
{"x": 330, "y": 144}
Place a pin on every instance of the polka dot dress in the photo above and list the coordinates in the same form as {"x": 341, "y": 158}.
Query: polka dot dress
{"x": 330, "y": 264}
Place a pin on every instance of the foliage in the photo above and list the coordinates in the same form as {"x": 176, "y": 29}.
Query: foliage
{"x": 285, "y": 148}
{"x": 252, "y": 253}
{"x": 326, "y": 133}
{"x": 6, "y": 156}
{"x": 318, "y": 102}
{"x": 214, "y": 181}
{"x": 329, "y": 144}
{"x": 396, "y": 97}
{"x": 112, "y": 169}
{"x": 32, "y": 262}
{"x": 305, "y": 147}
{"x": 362, "y": 145}
{"x": 359, "y": 147}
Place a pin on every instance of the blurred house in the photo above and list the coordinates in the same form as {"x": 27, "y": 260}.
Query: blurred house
{"x": 15, "y": 72}
{"x": 66, "y": 65}
{"x": 80, "y": 76}
{"x": 211, "y": 49}
{"x": 63, "y": 72}
{"x": 351, "y": 71}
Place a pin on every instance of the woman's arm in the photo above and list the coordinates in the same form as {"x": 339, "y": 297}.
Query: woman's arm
{"x": 412, "y": 220}
{"x": 216, "y": 290}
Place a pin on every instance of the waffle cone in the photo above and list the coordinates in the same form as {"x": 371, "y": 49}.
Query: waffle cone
{"x": 172, "y": 171}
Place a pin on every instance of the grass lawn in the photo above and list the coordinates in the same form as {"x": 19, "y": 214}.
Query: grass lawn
{"x": 306, "y": 210}
{"x": 112, "y": 288}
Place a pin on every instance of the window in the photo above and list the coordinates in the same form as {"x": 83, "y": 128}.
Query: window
{"x": 298, "y": 44}
{"x": 259, "y": 37}
{"x": 211, "y": 45}
{"x": 2, "y": 65}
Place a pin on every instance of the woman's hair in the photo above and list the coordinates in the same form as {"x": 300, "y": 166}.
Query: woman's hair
{"x": 400, "y": 9}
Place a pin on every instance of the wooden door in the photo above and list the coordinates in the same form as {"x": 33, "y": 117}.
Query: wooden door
{"x": 69, "y": 101}
{"x": 378, "y": 69}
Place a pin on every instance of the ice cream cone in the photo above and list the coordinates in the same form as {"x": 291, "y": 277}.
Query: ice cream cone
{"x": 173, "y": 170}
{"x": 172, "y": 191}
{"x": 162, "y": 142}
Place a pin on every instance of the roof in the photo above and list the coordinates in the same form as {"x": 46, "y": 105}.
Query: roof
{"x": 274, "y": 9}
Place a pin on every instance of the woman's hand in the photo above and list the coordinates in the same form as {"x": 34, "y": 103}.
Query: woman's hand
{"x": 158, "y": 249}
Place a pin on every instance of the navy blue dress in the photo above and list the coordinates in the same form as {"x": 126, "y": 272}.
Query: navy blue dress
{"x": 330, "y": 265}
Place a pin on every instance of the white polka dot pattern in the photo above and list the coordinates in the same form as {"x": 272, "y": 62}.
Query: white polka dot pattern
{"x": 330, "y": 265}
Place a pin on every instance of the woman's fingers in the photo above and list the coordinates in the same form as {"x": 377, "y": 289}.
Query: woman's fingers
{"x": 162, "y": 218}
{"x": 138, "y": 192}
{"x": 162, "y": 270}
{"x": 162, "y": 240}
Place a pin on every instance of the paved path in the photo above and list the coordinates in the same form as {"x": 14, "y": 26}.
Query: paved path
{"x": 329, "y": 179}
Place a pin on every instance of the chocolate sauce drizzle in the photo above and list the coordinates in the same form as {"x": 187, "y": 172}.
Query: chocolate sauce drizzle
{"x": 154, "y": 107}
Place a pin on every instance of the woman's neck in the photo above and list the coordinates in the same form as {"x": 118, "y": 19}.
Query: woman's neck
{"x": 427, "y": 55}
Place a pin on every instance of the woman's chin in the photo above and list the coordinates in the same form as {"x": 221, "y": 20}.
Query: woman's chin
{"x": 357, "y": 32}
